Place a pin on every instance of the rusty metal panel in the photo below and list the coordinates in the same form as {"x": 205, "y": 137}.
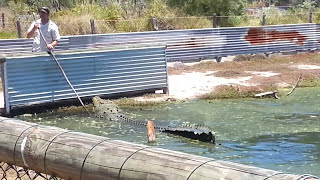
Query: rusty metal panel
{"x": 35, "y": 79}
{"x": 200, "y": 44}
{"x": 197, "y": 44}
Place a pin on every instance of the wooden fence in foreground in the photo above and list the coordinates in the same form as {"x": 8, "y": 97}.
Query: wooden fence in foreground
{"x": 73, "y": 155}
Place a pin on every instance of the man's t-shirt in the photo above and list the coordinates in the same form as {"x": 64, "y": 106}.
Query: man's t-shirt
{"x": 50, "y": 32}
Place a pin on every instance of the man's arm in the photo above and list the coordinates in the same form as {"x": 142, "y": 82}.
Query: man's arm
{"x": 56, "y": 36}
{"x": 32, "y": 30}
{"x": 52, "y": 45}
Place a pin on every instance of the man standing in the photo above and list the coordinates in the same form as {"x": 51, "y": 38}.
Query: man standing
{"x": 49, "y": 30}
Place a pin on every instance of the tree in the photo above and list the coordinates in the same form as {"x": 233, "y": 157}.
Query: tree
{"x": 208, "y": 7}
{"x": 299, "y": 2}
{"x": 3, "y": 2}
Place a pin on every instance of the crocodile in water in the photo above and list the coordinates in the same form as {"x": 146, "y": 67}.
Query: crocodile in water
{"x": 106, "y": 109}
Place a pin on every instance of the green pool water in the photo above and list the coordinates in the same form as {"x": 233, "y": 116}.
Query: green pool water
{"x": 279, "y": 134}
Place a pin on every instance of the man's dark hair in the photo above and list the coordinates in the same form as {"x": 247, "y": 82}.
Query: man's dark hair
{"x": 44, "y": 10}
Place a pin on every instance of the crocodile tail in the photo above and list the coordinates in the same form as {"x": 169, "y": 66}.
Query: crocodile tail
{"x": 197, "y": 132}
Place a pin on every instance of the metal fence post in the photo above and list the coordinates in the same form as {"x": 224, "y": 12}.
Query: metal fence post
{"x": 310, "y": 17}
{"x": 93, "y": 28}
{"x": 154, "y": 24}
{"x": 263, "y": 19}
{"x": 19, "y": 28}
{"x": 2, "y": 19}
{"x": 214, "y": 20}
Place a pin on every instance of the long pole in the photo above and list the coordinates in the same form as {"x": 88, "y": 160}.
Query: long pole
{"x": 60, "y": 67}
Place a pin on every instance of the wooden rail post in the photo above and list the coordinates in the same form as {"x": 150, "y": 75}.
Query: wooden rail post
{"x": 214, "y": 20}
{"x": 154, "y": 24}
{"x": 2, "y": 20}
{"x": 19, "y": 28}
{"x": 93, "y": 28}
{"x": 310, "y": 17}
{"x": 263, "y": 19}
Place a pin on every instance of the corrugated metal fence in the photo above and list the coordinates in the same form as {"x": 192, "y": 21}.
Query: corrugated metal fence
{"x": 195, "y": 44}
{"x": 36, "y": 79}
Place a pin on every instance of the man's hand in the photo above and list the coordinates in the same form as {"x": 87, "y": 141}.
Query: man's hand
{"x": 36, "y": 26}
{"x": 31, "y": 33}
{"x": 50, "y": 46}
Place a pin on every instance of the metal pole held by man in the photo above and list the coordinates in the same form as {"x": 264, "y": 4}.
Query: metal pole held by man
{"x": 47, "y": 42}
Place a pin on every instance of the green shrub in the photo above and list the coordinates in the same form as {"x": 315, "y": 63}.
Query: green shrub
{"x": 158, "y": 9}
{"x": 133, "y": 25}
{"x": 185, "y": 23}
{"x": 208, "y": 7}
{"x": 103, "y": 26}
{"x": 8, "y": 34}
{"x": 74, "y": 26}
{"x": 240, "y": 21}
{"x": 229, "y": 92}
{"x": 111, "y": 12}
{"x": 19, "y": 7}
{"x": 310, "y": 82}
{"x": 316, "y": 17}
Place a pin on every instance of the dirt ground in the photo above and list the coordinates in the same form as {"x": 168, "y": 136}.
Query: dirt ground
{"x": 191, "y": 80}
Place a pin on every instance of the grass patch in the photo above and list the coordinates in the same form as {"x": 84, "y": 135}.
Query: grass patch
{"x": 76, "y": 25}
{"x": 235, "y": 92}
{"x": 130, "y": 102}
{"x": 68, "y": 110}
{"x": 123, "y": 102}
{"x": 310, "y": 81}
{"x": 8, "y": 34}
{"x": 184, "y": 23}
{"x": 137, "y": 25}
{"x": 230, "y": 74}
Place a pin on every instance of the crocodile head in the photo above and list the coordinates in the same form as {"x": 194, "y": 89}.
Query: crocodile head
{"x": 105, "y": 109}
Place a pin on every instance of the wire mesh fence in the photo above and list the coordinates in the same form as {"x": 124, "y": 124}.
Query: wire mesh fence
{"x": 275, "y": 18}
{"x": 238, "y": 21}
{"x": 316, "y": 17}
{"x": 131, "y": 25}
{"x": 184, "y": 23}
{"x": 85, "y": 25}
{"x": 12, "y": 172}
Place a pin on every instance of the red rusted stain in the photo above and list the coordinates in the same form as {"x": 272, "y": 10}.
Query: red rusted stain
{"x": 259, "y": 36}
